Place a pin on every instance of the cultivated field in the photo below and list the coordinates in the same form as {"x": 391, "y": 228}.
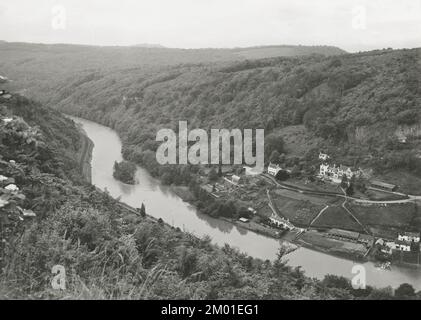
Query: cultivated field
{"x": 299, "y": 212}
{"x": 336, "y": 217}
{"x": 387, "y": 220}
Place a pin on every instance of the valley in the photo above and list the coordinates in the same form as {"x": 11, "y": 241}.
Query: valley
{"x": 361, "y": 110}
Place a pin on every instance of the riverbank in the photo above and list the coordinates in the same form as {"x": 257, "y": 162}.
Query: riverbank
{"x": 85, "y": 155}
{"x": 187, "y": 196}
{"x": 311, "y": 240}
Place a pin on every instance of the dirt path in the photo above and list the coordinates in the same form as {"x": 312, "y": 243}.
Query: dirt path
{"x": 318, "y": 215}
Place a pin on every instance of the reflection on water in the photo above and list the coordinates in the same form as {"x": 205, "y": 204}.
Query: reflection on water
{"x": 317, "y": 264}
{"x": 161, "y": 202}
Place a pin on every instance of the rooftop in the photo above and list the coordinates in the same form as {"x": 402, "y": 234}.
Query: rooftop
{"x": 344, "y": 233}
{"x": 412, "y": 234}
{"x": 382, "y": 184}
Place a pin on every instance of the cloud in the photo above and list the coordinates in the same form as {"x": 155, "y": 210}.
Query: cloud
{"x": 216, "y": 23}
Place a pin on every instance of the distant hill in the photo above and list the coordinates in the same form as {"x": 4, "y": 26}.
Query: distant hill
{"x": 149, "y": 45}
{"x": 354, "y": 105}
{"x": 43, "y": 60}
{"x": 287, "y": 51}
{"x": 37, "y": 66}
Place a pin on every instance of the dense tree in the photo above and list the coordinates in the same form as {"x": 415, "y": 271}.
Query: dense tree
{"x": 125, "y": 172}
{"x": 142, "y": 210}
{"x": 273, "y": 142}
{"x": 275, "y": 157}
{"x": 212, "y": 175}
{"x": 405, "y": 290}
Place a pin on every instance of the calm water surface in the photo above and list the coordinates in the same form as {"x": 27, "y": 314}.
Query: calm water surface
{"x": 161, "y": 202}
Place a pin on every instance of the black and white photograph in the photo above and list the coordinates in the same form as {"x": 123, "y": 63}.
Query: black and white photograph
{"x": 200, "y": 152}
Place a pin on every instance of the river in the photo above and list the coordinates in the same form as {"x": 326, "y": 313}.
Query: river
{"x": 161, "y": 202}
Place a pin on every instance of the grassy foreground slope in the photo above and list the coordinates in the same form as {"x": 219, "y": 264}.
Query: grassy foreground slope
{"x": 109, "y": 253}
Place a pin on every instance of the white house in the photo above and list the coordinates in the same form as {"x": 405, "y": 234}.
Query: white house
{"x": 409, "y": 237}
{"x": 280, "y": 222}
{"x": 325, "y": 170}
{"x": 273, "y": 169}
{"x": 12, "y": 187}
{"x": 402, "y": 246}
{"x": 7, "y": 120}
{"x": 323, "y": 156}
{"x": 236, "y": 179}
{"x": 251, "y": 210}
{"x": 380, "y": 242}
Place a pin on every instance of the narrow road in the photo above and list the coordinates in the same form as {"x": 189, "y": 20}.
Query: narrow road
{"x": 411, "y": 198}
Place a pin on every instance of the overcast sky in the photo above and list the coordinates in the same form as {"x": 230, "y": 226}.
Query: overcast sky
{"x": 350, "y": 24}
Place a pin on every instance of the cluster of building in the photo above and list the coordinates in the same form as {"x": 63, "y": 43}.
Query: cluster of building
{"x": 335, "y": 173}
{"x": 323, "y": 156}
{"x": 403, "y": 242}
{"x": 281, "y": 222}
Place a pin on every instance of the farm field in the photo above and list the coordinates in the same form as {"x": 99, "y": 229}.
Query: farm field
{"x": 264, "y": 211}
{"x": 321, "y": 242}
{"x": 394, "y": 215}
{"x": 317, "y": 200}
{"x": 378, "y": 195}
{"x": 336, "y": 217}
{"x": 299, "y": 212}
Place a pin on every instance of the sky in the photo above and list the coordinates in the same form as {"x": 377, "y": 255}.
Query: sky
{"x": 353, "y": 25}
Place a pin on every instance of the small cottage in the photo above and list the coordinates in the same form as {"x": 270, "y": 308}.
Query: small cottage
{"x": 409, "y": 237}
{"x": 273, "y": 169}
{"x": 323, "y": 156}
